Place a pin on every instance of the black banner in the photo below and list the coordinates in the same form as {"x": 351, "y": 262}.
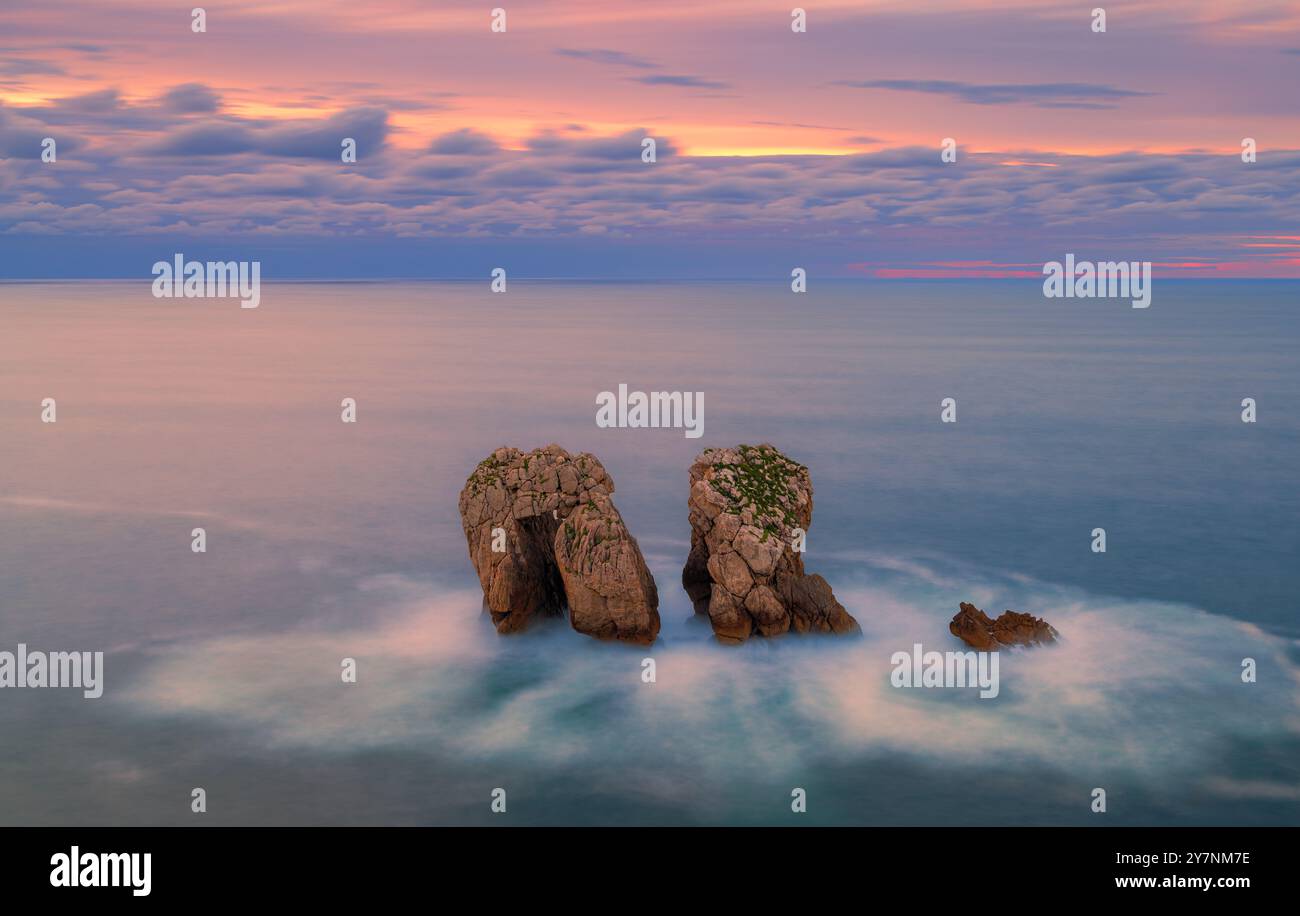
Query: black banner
{"x": 330, "y": 865}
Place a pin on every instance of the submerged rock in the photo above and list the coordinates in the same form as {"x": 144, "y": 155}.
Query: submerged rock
{"x": 560, "y": 542}
{"x": 1013, "y": 628}
{"x": 743, "y": 571}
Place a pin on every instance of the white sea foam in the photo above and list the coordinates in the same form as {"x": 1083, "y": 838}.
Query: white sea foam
{"x": 1149, "y": 689}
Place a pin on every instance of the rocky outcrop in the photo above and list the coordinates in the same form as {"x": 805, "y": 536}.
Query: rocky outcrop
{"x": 743, "y": 571}
{"x": 610, "y": 592}
{"x": 1013, "y": 628}
{"x": 543, "y": 534}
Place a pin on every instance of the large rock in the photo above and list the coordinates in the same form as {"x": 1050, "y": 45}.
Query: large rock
{"x": 563, "y": 544}
{"x": 610, "y": 591}
{"x": 1013, "y": 628}
{"x": 745, "y": 504}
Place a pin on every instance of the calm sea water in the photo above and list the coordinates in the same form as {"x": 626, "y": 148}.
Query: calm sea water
{"x": 328, "y": 540}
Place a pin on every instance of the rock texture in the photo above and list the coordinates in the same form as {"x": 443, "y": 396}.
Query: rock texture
{"x": 1013, "y": 628}
{"x": 565, "y": 545}
{"x": 745, "y": 503}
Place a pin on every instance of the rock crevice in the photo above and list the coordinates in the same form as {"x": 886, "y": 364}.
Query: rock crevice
{"x": 543, "y": 535}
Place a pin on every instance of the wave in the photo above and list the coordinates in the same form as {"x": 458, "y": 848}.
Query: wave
{"x": 1146, "y": 689}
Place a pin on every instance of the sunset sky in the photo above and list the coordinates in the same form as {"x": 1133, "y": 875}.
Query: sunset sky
{"x": 522, "y": 149}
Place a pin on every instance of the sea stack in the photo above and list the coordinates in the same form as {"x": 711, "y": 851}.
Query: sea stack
{"x": 1014, "y": 628}
{"x": 748, "y": 505}
{"x": 543, "y": 535}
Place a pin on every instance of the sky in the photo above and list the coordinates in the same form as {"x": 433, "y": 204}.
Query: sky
{"x": 775, "y": 149}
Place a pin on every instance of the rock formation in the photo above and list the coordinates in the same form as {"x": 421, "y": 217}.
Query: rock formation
{"x": 745, "y": 504}
{"x": 560, "y": 542}
{"x": 1013, "y": 628}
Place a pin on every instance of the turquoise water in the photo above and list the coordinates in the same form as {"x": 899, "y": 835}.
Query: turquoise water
{"x": 328, "y": 540}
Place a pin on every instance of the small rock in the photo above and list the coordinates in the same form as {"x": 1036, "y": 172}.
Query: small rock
{"x": 1013, "y": 628}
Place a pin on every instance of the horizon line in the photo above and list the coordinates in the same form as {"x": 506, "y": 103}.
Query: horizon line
{"x": 595, "y": 279}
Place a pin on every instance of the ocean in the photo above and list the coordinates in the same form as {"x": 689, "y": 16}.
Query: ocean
{"x": 328, "y": 540}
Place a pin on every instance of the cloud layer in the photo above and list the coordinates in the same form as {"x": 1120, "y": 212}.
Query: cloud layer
{"x": 824, "y": 145}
